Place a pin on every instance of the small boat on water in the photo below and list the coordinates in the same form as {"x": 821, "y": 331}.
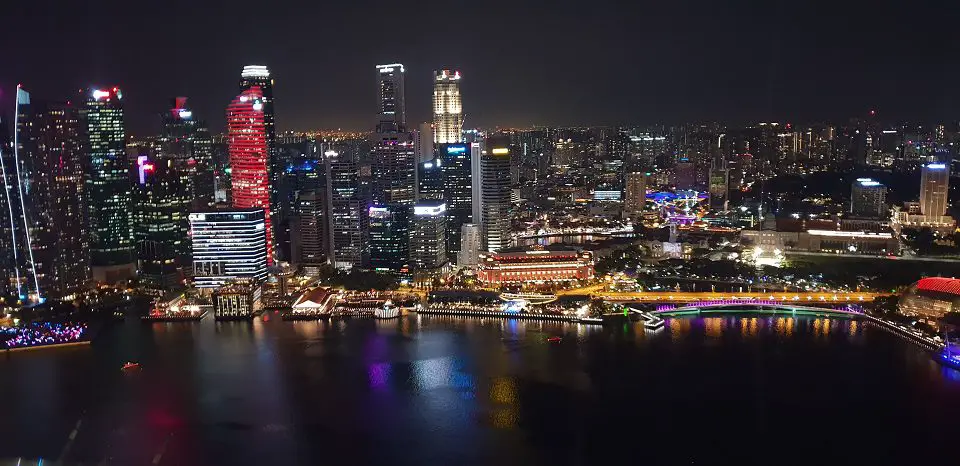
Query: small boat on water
{"x": 554, "y": 339}
{"x": 130, "y": 367}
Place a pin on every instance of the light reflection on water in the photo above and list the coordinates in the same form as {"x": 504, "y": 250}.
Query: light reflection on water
{"x": 437, "y": 390}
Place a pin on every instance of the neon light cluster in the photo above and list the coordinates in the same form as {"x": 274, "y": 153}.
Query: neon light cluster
{"x": 39, "y": 334}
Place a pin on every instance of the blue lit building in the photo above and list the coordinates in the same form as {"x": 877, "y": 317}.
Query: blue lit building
{"x": 389, "y": 237}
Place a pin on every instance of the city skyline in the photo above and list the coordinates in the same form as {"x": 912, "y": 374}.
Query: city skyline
{"x": 679, "y": 63}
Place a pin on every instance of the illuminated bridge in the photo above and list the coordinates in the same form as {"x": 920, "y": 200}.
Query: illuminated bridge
{"x": 794, "y": 299}
{"x": 759, "y": 306}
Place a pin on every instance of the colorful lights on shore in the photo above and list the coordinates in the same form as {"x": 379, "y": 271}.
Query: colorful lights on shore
{"x": 40, "y": 334}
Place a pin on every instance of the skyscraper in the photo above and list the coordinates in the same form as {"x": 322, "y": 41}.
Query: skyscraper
{"x": 348, "y": 205}
{"x": 430, "y": 179}
{"x": 160, "y": 222}
{"x": 228, "y": 245}
{"x": 393, "y": 164}
{"x": 495, "y": 194}
{"x": 389, "y": 237}
{"x": 107, "y": 186}
{"x": 250, "y": 183}
{"x": 45, "y": 172}
{"x": 186, "y": 140}
{"x": 635, "y": 195}
{"x": 309, "y": 235}
{"x": 391, "y": 117}
{"x": 458, "y": 190}
{"x": 934, "y": 189}
{"x": 469, "y": 245}
{"x": 428, "y": 235}
{"x": 868, "y": 198}
{"x": 259, "y": 76}
{"x": 447, "y": 108}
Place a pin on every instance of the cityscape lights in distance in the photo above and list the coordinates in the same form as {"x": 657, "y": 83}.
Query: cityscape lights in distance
{"x": 868, "y": 182}
{"x": 937, "y": 166}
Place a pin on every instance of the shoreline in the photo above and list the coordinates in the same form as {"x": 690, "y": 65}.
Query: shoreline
{"x": 51, "y": 345}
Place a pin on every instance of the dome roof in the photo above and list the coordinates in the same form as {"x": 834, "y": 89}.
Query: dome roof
{"x": 939, "y": 284}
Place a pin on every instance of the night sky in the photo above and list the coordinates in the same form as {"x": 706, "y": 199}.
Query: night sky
{"x": 524, "y": 63}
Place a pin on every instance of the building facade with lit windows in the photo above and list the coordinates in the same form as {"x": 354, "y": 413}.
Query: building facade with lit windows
{"x": 228, "y": 245}
{"x": 348, "y": 203}
{"x": 534, "y": 267}
{"x": 495, "y": 194}
{"x": 868, "y": 198}
{"x": 934, "y": 189}
{"x": 258, "y": 76}
{"x": 457, "y": 191}
{"x": 107, "y": 187}
{"x": 447, "y": 108}
{"x": 249, "y": 165}
{"x": 428, "y": 235}
{"x": 47, "y": 235}
{"x": 389, "y": 237}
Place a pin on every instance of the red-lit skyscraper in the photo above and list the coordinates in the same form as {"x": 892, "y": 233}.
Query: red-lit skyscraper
{"x": 248, "y": 156}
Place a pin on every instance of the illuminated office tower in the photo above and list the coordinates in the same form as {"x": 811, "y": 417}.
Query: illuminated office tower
{"x": 186, "y": 140}
{"x": 348, "y": 205}
{"x": 391, "y": 115}
{"x": 43, "y": 170}
{"x": 250, "y": 184}
{"x": 424, "y": 142}
{"x": 308, "y": 230}
{"x": 476, "y": 155}
{"x": 394, "y": 155}
{"x": 160, "y": 224}
{"x": 447, "y": 108}
{"x": 635, "y": 194}
{"x": 868, "y": 198}
{"x": 170, "y": 180}
{"x": 458, "y": 190}
{"x": 428, "y": 237}
{"x": 495, "y": 194}
{"x": 389, "y": 237}
{"x": 107, "y": 187}
{"x": 430, "y": 179}
{"x": 259, "y": 76}
{"x": 934, "y": 189}
{"x": 228, "y": 245}
{"x": 393, "y": 163}
{"x": 469, "y": 245}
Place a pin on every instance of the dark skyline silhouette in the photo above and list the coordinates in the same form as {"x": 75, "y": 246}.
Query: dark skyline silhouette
{"x": 524, "y": 63}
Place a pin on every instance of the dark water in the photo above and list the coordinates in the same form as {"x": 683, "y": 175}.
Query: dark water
{"x": 436, "y": 390}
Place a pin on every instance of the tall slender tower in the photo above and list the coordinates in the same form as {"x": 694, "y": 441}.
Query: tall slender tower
{"x": 934, "y": 189}
{"x": 259, "y": 76}
{"x": 447, "y": 108}
{"x": 391, "y": 116}
{"x": 247, "y": 143}
{"x": 49, "y": 150}
{"x": 495, "y": 193}
{"x": 107, "y": 186}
